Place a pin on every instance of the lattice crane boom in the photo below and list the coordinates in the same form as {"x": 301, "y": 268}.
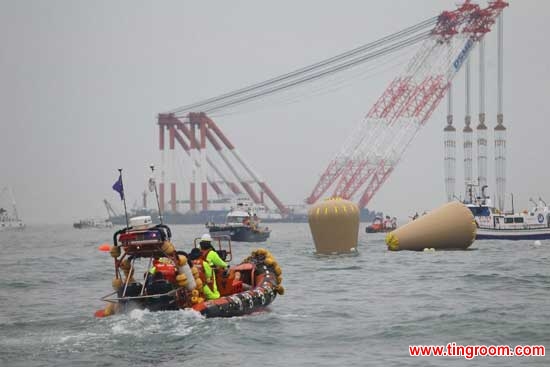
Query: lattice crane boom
{"x": 377, "y": 145}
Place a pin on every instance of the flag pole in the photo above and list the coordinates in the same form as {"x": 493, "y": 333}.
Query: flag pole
{"x": 124, "y": 199}
{"x": 156, "y": 192}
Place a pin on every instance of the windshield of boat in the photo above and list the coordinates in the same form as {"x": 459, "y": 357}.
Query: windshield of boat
{"x": 480, "y": 211}
{"x": 236, "y": 219}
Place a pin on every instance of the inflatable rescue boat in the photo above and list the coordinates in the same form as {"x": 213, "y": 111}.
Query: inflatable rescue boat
{"x": 177, "y": 282}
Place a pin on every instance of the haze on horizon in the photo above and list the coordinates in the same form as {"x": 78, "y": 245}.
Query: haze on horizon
{"x": 83, "y": 81}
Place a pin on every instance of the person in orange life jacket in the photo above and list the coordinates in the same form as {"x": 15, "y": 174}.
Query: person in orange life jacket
{"x": 210, "y": 258}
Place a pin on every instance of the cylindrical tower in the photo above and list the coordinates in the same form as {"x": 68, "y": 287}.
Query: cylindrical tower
{"x": 449, "y": 133}
{"x": 192, "y": 187}
{"x": 202, "y": 150}
{"x": 500, "y": 130}
{"x": 172, "y": 167}
{"x": 481, "y": 128}
{"x": 467, "y": 133}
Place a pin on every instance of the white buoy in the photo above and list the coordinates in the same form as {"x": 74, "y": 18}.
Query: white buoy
{"x": 537, "y": 243}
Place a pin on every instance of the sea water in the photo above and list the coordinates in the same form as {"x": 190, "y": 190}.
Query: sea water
{"x": 363, "y": 310}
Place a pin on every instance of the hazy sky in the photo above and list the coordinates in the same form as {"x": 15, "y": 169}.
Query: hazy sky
{"x": 82, "y": 82}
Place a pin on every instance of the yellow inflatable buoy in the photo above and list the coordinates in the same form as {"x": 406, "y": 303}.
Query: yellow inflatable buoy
{"x": 125, "y": 265}
{"x": 199, "y": 283}
{"x": 168, "y": 248}
{"x": 450, "y": 226}
{"x": 110, "y": 309}
{"x": 182, "y": 260}
{"x": 181, "y": 277}
{"x": 334, "y": 224}
{"x": 117, "y": 283}
{"x": 115, "y": 251}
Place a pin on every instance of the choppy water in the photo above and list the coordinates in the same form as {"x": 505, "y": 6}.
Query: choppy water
{"x": 337, "y": 311}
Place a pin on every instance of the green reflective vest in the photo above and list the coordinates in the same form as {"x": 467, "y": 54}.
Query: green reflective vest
{"x": 212, "y": 258}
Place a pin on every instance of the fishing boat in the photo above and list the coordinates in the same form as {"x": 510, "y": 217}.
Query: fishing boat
{"x": 240, "y": 226}
{"x": 533, "y": 224}
{"x": 9, "y": 220}
{"x": 247, "y": 287}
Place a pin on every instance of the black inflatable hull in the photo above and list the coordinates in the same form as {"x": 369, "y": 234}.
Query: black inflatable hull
{"x": 238, "y": 304}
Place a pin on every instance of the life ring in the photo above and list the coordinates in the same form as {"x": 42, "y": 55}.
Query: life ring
{"x": 540, "y": 218}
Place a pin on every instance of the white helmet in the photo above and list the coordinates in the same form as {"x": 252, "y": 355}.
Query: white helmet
{"x": 206, "y": 237}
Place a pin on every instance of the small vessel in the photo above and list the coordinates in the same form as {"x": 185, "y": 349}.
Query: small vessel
{"x": 240, "y": 226}
{"x": 9, "y": 220}
{"x": 248, "y": 287}
{"x": 533, "y": 224}
{"x": 245, "y": 204}
{"x": 93, "y": 223}
{"x": 380, "y": 224}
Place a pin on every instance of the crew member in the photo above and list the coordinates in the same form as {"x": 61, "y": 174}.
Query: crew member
{"x": 210, "y": 258}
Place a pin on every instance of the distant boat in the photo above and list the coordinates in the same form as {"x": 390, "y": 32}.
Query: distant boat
{"x": 93, "y": 223}
{"x": 245, "y": 204}
{"x": 492, "y": 224}
{"x": 240, "y": 226}
{"x": 380, "y": 224}
{"x": 9, "y": 220}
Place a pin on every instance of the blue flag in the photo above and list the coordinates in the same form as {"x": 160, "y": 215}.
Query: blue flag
{"x": 119, "y": 188}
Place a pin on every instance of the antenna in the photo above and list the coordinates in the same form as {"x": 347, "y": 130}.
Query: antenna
{"x": 153, "y": 187}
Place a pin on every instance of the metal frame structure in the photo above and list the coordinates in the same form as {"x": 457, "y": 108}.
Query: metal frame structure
{"x": 192, "y": 132}
{"x": 377, "y": 145}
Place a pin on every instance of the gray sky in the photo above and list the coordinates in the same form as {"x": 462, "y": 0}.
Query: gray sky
{"x": 82, "y": 82}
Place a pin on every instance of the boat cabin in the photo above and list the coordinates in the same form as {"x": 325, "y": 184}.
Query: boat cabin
{"x": 237, "y": 217}
{"x": 488, "y": 217}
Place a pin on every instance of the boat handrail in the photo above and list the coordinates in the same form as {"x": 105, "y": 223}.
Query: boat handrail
{"x": 128, "y": 298}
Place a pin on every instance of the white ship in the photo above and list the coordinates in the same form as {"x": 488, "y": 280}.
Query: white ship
{"x": 532, "y": 224}
{"x": 261, "y": 211}
{"x": 9, "y": 220}
{"x": 93, "y": 223}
